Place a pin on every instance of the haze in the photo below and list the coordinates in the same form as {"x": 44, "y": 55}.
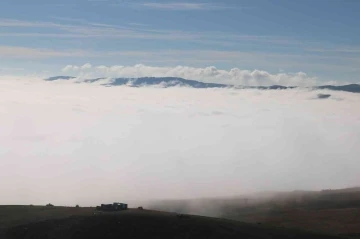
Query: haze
{"x": 67, "y": 143}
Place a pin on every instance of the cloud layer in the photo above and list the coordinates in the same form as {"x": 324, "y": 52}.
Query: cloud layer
{"x": 69, "y": 143}
{"x": 234, "y": 76}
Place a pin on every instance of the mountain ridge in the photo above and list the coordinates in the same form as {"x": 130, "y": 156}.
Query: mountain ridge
{"x": 166, "y": 82}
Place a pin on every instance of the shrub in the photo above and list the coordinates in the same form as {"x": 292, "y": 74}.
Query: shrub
{"x": 49, "y": 205}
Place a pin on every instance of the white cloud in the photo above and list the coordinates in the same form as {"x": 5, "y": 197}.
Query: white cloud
{"x": 62, "y": 142}
{"x": 208, "y": 74}
{"x": 69, "y": 68}
{"x": 85, "y": 67}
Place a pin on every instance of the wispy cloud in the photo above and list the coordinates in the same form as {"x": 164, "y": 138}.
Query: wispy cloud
{"x": 335, "y": 49}
{"x": 183, "y": 6}
{"x": 33, "y": 53}
{"x": 164, "y": 55}
{"x": 299, "y": 55}
{"x": 11, "y": 69}
{"x": 84, "y": 29}
{"x": 256, "y": 60}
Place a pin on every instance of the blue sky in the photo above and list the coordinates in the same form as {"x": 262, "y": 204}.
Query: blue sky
{"x": 319, "y": 37}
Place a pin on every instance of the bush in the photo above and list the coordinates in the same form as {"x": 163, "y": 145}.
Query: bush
{"x": 49, "y": 205}
{"x": 77, "y": 205}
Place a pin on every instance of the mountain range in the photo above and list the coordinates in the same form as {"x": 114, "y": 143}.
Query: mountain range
{"x": 175, "y": 81}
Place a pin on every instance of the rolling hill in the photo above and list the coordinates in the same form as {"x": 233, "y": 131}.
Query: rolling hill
{"x": 135, "y": 223}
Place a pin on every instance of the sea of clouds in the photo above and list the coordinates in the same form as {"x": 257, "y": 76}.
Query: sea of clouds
{"x": 69, "y": 143}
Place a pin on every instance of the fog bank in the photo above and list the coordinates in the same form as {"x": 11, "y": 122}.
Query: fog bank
{"x": 69, "y": 143}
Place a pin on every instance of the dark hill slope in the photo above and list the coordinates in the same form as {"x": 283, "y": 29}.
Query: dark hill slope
{"x": 150, "y": 224}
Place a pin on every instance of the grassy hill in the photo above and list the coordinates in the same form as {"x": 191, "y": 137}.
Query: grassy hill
{"x": 335, "y": 212}
{"x": 61, "y": 222}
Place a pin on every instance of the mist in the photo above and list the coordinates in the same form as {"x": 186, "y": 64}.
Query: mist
{"x": 69, "y": 143}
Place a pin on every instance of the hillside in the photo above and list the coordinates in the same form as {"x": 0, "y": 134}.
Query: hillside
{"x": 136, "y": 223}
{"x": 330, "y": 211}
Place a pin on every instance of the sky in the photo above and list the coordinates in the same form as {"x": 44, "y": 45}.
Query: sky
{"x": 320, "y": 40}
{"x": 69, "y": 143}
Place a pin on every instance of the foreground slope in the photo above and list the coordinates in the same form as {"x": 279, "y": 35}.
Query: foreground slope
{"x": 334, "y": 212}
{"x": 135, "y": 223}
